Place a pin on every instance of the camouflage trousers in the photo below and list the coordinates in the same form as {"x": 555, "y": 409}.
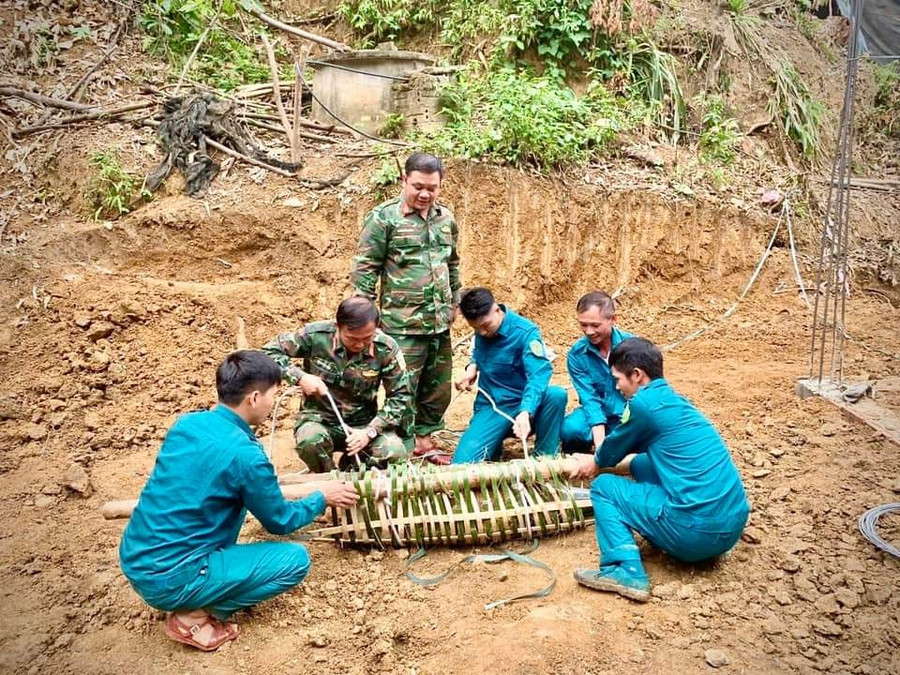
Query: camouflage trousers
{"x": 429, "y": 360}
{"x": 318, "y": 442}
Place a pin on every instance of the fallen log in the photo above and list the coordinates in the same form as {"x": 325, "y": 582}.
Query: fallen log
{"x": 34, "y": 97}
{"x": 306, "y": 35}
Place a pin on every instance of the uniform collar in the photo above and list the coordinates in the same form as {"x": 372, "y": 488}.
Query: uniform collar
{"x": 507, "y": 322}
{"x": 228, "y": 414}
{"x": 433, "y": 210}
{"x": 658, "y": 383}
{"x": 336, "y": 344}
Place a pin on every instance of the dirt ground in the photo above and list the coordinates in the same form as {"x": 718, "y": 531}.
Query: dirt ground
{"x": 109, "y": 333}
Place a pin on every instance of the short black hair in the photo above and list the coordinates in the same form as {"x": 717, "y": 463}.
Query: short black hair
{"x": 244, "y": 371}
{"x": 476, "y": 302}
{"x": 423, "y": 162}
{"x": 637, "y": 352}
{"x": 356, "y": 312}
{"x": 600, "y": 300}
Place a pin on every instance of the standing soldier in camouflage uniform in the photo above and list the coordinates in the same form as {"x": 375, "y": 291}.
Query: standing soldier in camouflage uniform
{"x": 348, "y": 358}
{"x": 409, "y": 244}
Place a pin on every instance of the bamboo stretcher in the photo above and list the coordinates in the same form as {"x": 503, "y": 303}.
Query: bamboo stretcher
{"x": 462, "y": 504}
{"x": 459, "y": 505}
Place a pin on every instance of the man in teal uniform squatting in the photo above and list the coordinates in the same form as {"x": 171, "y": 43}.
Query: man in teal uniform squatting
{"x": 511, "y": 365}
{"x": 602, "y": 404}
{"x": 686, "y": 496}
{"x": 179, "y": 550}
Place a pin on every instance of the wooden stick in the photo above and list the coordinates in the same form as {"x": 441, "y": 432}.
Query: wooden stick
{"x": 44, "y": 100}
{"x": 123, "y": 508}
{"x": 309, "y": 124}
{"x": 276, "y": 90}
{"x": 302, "y": 134}
{"x": 86, "y": 117}
{"x": 298, "y": 96}
{"x": 250, "y": 160}
{"x": 312, "y": 37}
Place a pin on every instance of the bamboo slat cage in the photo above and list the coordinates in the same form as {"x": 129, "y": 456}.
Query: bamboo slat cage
{"x": 461, "y": 505}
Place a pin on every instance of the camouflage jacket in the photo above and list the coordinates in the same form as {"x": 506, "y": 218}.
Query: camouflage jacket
{"x": 417, "y": 264}
{"x": 352, "y": 379}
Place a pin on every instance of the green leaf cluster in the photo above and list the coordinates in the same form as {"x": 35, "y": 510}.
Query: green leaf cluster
{"x": 172, "y": 29}
{"x": 111, "y": 190}
{"x": 525, "y": 120}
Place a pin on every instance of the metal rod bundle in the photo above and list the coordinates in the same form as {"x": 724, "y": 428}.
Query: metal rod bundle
{"x": 464, "y": 505}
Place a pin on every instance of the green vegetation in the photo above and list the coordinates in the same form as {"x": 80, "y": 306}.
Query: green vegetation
{"x": 737, "y": 7}
{"x": 380, "y": 20}
{"x": 111, "y": 190}
{"x": 225, "y": 60}
{"x": 792, "y": 102}
{"x": 392, "y": 126}
{"x": 524, "y": 119}
{"x": 887, "y": 98}
{"x": 719, "y": 135}
{"x": 800, "y": 114}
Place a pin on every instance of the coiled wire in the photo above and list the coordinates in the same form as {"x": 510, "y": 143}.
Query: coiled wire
{"x": 868, "y": 523}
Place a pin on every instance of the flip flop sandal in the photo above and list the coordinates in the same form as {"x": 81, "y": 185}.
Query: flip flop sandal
{"x": 222, "y": 632}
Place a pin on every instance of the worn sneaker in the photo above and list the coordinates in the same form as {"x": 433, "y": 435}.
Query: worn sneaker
{"x": 615, "y": 579}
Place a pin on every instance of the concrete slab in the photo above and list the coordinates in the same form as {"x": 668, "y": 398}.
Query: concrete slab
{"x": 869, "y": 411}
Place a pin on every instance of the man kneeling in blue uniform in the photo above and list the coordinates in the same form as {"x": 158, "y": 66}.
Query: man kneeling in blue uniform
{"x": 511, "y": 365}
{"x": 686, "y": 496}
{"x": 179, "y": 550}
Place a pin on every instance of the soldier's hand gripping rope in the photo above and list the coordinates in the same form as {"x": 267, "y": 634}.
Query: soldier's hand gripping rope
{"x": 347, "y": 430}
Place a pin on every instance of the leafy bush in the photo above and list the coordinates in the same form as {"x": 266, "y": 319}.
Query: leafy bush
{"x": 111, "y": 190}
{"x": 525, "y": 120}
{"x": 720, "y": 135}
{"x": 173, "y": 27}
{"x": 379, "y": 20}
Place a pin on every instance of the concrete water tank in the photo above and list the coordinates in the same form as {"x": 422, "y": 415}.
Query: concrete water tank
{"x": 356, "y": 86}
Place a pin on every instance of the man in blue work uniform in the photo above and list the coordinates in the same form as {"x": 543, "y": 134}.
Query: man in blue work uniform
{"x": 179, "y": 550}
{"x": 584, "y": 428}
{"x": 686, "y": 497}
{"x": 511, "y": 365}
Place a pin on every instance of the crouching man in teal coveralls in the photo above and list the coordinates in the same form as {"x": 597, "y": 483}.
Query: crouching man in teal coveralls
{"x": 686, "y": 496}
{"x": 179, "y": 551}
{"x": 511, "y": 365}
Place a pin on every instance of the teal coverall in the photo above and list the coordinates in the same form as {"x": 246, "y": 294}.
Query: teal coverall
{"x": 601, "y": 402}
{"x": 686, "y": 497}
{"x": 179, "y": 551}
{"x": 514, "y": 370}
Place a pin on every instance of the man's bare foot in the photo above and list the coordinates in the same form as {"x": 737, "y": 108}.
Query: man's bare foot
{"x": 200, "y": 630}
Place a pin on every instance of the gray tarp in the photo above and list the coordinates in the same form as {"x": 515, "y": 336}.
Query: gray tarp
{"x": 880, "y": 27}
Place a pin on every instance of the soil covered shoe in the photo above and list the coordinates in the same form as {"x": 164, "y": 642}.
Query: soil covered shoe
{"x": 615, "y": 579}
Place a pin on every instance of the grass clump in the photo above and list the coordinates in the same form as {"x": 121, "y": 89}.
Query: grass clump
{"x": 720, "y": 134}
{"x": 112, "y": 191}
{"x": 172, "y": 29}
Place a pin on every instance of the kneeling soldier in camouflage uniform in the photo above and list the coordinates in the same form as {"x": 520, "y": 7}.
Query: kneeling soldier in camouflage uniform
{"x": 348, "y": 358}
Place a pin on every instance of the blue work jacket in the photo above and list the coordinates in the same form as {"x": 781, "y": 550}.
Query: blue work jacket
{"x": 692, "y": 461}
{"x": 594, "y": 382}
{"x": 513, "y": 367}
{"x": 210, "y": 470}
